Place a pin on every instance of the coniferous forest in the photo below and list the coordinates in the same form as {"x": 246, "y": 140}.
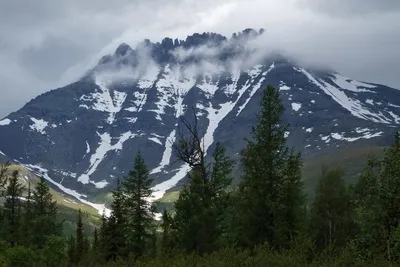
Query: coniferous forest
{"x": 264, "y": 220}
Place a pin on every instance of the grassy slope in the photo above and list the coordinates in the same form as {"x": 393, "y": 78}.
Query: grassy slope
{"x": 352, "y": 158}
{"x": 68, "y": 206}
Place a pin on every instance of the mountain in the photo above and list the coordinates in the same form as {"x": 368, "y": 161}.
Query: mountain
{"x": 82, "y": 136}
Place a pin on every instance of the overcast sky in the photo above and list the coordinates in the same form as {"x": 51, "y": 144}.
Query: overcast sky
{"x": 45, "y": 44}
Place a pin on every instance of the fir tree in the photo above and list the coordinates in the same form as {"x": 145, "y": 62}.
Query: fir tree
{"x": 166, "y": 231}
{"x": 117, "y": 226}
{"x": 12, "y": 209}
{"x": 44, "y": 214}
{"x": 95, "y": 244}
{"x": 103, "y": 235}
{"x": 270, "y": 191}
{"x": 26, "y": 230}
{"x": 199, "y": 221}
{"x": 80, "y": 239}
{"x": 139, "y": 210}
{"x": 71, "y": 250}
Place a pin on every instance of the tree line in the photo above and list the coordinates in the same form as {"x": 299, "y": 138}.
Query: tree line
{"x": 264, "y": 221}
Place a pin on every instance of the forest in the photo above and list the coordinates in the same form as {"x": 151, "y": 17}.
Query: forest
{"x": 264, "y": 220}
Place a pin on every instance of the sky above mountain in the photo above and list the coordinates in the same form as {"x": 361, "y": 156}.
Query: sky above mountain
{"x": 46, "y": 44}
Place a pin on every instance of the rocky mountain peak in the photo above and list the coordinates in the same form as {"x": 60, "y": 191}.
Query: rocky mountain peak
{"x": 82, "y": 136}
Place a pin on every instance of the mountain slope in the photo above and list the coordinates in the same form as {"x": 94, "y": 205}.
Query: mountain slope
{"x": 84, "y": 135}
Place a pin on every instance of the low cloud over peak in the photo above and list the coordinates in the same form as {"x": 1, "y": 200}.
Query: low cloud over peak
{"x": 45, "y": 45}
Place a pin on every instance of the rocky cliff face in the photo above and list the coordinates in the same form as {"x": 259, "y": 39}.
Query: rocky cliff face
{"x": 82, "y": 136}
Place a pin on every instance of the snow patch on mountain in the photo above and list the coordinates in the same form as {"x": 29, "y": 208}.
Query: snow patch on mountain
{"x": 166, "y": 157}
{"x": 171, "y": 88}
{"x": 208, "y": 86}
{"x": 253, "y": 74}
{"x": 296, "y": 106}
{"x": 352, "y": 105}
{"x": 366, "y": 135}
{"x": 396, "y": 118}
{"x": 155, "y": 140}
{"x": 104, "y": 147}
{"x": 284, "y": 87}
{"x": 369, "y": 101}
{"x": 348, "y": 84}
{"x": 393, "y": 105}
{"x": 160, "y": 189}
{"x": 230, "y": 89}
{"x": 150, "y": 76}
{"x": 5, "y": 122}
{"x": 104, "y": 101}
{"x": 39, "y": 125}
{"x": 87, "y": 148}
{"x": 100, "y": 184}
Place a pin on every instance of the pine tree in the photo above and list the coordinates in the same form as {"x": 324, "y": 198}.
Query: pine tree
{"x": 80, "y": 239}
{"x": 331, "y": 213}
{"x": 270, "y": 191}
{"x": 44, "y": 214}
{"x": 139, "y": 210}
{"x": 12, "y": 209}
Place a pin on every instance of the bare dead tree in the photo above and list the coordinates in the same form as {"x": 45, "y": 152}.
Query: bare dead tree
{"x": 190, "y": 147}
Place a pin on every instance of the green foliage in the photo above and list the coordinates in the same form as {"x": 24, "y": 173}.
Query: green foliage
{"x": 42, "y": 214}
{"x": 331, "y": 222}
{"x": 80, "y": 240}
{"x": 139, "y": 211}
{"x": 378, "y": 203}
{"x": 199, "y": 223}
{"x": 270, "y": 195}
{"x": 166, "y": 239}
{"x": 263, "y": 222}
{"x": 13, "y": 210}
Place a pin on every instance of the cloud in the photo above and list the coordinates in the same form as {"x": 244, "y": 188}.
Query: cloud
{"x": 45, "y": 44}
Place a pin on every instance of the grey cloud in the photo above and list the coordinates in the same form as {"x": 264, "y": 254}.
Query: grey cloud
{"x": 353, "y": 7}
{"x": 45, "y": 44}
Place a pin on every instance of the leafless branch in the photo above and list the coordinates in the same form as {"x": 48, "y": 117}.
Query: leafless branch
{"x": 189, "y": 148}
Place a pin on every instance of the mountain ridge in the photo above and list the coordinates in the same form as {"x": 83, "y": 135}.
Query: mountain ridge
{"x": 82, "y": 136}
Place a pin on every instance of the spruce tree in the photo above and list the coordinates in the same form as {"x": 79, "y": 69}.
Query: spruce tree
{"x": 331, "y": 213}
{"x": 80, "y": 239}
{"x": 71, "y": 250}
{"x": 95, "y": 244}
{"x": 103, "y": 235}
{"x": 116, "y": 244}
{"x": 166, "y": 231}
{"x": 139, "y": 210}
{"x": 12, "y": 209}
{"x": 200, "y": 209}
{"x": 26, "y": 230}
{"x": 271, "y": 183}
{"x": 44, "y": 214}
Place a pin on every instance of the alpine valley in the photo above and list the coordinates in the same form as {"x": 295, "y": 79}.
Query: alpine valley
{"x": 83, "y": 136}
